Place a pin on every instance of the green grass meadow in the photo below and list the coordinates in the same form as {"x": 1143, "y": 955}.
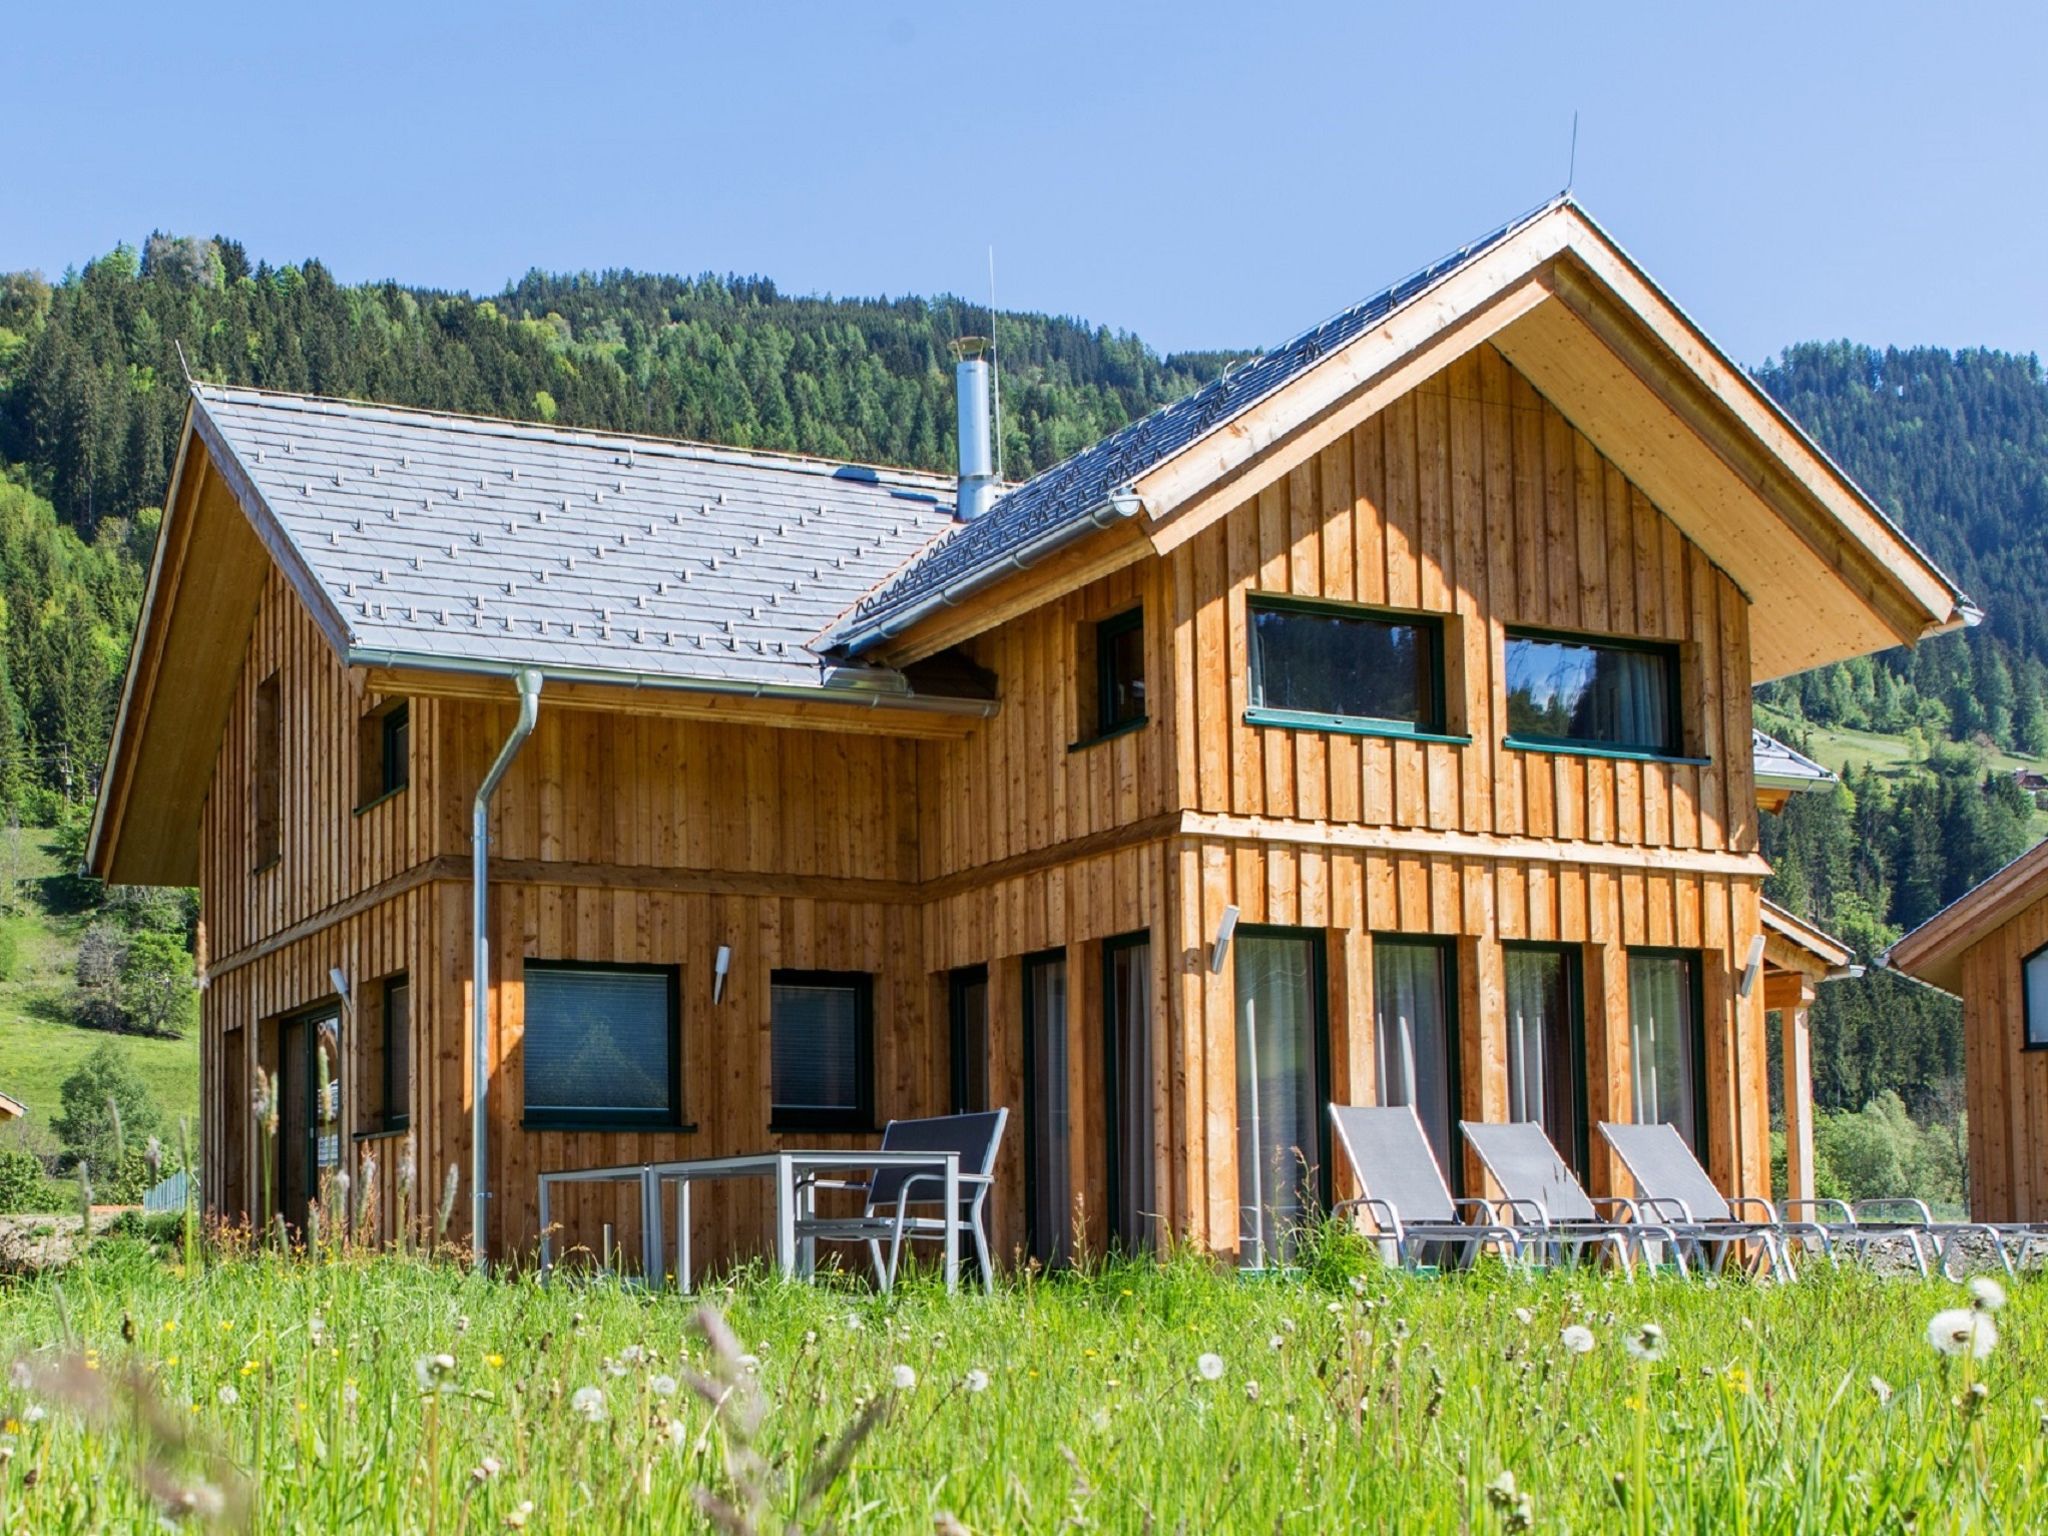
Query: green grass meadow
{"x": 391, "y": 1394}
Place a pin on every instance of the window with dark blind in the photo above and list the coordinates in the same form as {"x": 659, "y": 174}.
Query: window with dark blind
{"x": 821, "y": 1025}
{"x": 385, "y": 1094}
{"x": 968, "y": 990}
{"x": 601, "y": 1047}
{"x": 383, "y": 752}
{"x": 268, "y": 788}
{"x": 1120, "y": 672}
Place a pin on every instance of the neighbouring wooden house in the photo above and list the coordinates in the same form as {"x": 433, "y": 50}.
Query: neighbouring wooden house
{"x": 1419, "y": 649}
{"x": 1990, "y": 948}
{"x": 11, "y": 1109}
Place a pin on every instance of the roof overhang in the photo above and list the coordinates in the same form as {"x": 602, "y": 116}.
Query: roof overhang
{"x": 1792, "y": 944}
{"x": 1934, "y": 951}
{"x": 1828, "y": 573}
{"x": 11, "y": 1109}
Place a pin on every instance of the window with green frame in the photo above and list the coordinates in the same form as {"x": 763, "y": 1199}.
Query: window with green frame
{"x": 1582, "y": 692}
{"x": 1339, "y": 666}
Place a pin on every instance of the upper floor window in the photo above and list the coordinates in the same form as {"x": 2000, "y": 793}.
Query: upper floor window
{"x": 268, "y": 785}
{"x": 821, "y": 1049}
{"x": 1120, "y": 672}
{"x": 2034, "y": 975}
{"x": 601, "y": 1047}
{"x": 1570, "y": 691}
{"x": 383, "y": 752}
{"x": 1335, "y": 665}
{"x": 385, "y": 1095}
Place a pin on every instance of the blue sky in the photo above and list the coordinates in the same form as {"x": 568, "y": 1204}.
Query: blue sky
{"x": 1204, "y": 175}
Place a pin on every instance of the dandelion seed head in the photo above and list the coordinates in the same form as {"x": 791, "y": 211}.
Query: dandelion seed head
{"x": 227, "y": 1396}
{"x": 1577, "y": 1339}
{"x": 903, "y": 1378}
{"x": 662, "y": 1386}
{"x": 1881, "y": 1390}
{"x": 1276, "y": 1341}
{"x": 975, "y": 1380}
{"x": 1209, "y": 1366}
{"x": 1525, "y": 1317}
{"x": 1646, "y": 1342}
{"x": 677, "y": 1433}
{"x": 1986, "y": 1294}
{"x": 1962, "y": 1331}
{"x": 587, "y": 1403}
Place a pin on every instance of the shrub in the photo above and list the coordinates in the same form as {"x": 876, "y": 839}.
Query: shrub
{"x": 21, "y": 1180}
{"x": 86, "y": 1125}
{"x": 156, "y": 984}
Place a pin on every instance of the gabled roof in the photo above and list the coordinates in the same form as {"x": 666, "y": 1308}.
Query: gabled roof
{"x": 1795, "y": 944}
{"x": 440, "y": 540}
{"x": 11, "y": 1109}
{"x": 1073, "y": 493}
{"x": 1777, "y": 766}
{"x": 1828, "y": 573}
{"x": 1933, "y": 952}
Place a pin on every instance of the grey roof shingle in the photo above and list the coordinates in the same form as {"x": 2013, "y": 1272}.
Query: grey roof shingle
{"x": 1780, "y": 766}
{"x": 1066, "y": 495}
{"x": 498, "y": 543}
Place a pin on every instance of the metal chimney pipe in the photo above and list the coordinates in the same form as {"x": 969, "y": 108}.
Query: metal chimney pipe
{"x": 977, "y": 458}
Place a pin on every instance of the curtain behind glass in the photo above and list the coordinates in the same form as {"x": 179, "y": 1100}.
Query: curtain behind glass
{"x": 1130, "y": 1023}
{"x": 2037, "y": 999}
{"x": 1564, "y": 691}
{"x": 1277, "y": 1113}
{"x": 1661, "y": 1044}
{"x": 1045, "y": 1004}
{"x": 1542, "y": 1080}
{"x": 1412, "y": 1037}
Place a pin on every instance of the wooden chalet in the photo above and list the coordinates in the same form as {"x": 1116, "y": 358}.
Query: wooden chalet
{"x": 1990, "y": 948}
{"x": 1371, "y": 724}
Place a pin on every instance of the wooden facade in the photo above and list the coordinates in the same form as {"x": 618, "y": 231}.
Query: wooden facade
{"x": 1980, "y": 948}
{"x": 628, "y": 837}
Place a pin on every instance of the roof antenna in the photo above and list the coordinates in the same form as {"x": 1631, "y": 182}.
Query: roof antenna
{"x": 995, "y": 371}
{"x": 1571, "y": 170}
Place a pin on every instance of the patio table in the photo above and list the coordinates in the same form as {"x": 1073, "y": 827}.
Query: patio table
{"x": 794, "y": 1198}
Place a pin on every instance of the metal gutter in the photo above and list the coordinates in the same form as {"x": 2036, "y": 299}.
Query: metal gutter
{"x": 861, "y": 695}
{"x": 1113, "y": 509}
{"x": 528, "y": 682}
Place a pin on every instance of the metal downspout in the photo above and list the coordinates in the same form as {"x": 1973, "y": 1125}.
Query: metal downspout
{"x": 527, "y": 681}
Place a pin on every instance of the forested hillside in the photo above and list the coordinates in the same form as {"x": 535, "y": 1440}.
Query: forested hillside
{"x": 91, "y": 398}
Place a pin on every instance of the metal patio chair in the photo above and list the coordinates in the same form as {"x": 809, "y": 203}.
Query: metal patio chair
{"x": 890, "y": 1213}
{"x": 1671, "y": 1184}
{"x": 1550, "y": 1206}
{"x": 1405, "y": 1193}
{"x": 1864, "y": 1221}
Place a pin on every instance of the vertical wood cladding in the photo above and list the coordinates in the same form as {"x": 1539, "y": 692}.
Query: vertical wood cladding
{"x": 630, "y": 838}
{"x": 2008, "y": 1084}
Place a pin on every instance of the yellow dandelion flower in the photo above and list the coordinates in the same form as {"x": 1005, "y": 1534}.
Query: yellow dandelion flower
{"x": 170, "y": 1360}
{"x": 227, "y": 1325}
{"x": 12, "y": 1427}
{"x": 494, "y": 1361}
{"x": 1088, "y": 1354}
{"x": 170, "y": 1325}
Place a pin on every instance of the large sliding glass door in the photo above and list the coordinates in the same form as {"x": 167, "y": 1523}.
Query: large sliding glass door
{"x": 1546, "y": 1040}
{"x": 1128, "y": 1073}
{"x": 1415, "y": 1038}
{"x": 1048, "y": 1168}
{"x": 1282, "y": 1082}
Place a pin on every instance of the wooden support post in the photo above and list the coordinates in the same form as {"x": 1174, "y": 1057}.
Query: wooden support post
{"x": 1792, "y": 996}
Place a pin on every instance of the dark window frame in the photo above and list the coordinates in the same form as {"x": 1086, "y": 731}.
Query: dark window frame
{"x": 1447, "y": 948}
{"x": 1319, "y": 987}
{"x": 1575, "y": 999}
{"x": 1112, "y": 1085}
{"x": 1697, "y": 966}
{"x": 389, "y": 1121}
{"x": 598, "y": 1118}
{"x": 859, "y": 1116}
{"x": 267, "y": 778}
{"x": 958, "y": 981}
{"x": 1673, "y": 654}
{"x": 1429, "y": 624}
{"x": 2028, "y": 1022}
{"x": 1114, "y": 628}
{"x": 383, "y": 766}
{"x": 1040, "y": 1245}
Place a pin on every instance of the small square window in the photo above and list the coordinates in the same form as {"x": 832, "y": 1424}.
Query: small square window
{"x": 1313, "y": 661}
{"x": 1120, "y": 672}
{"x": 601, "y": 1047}
{"x": 1566, "y": 690}
{"x": 2034, "y": 983}
{"x": 821, "y": 1027}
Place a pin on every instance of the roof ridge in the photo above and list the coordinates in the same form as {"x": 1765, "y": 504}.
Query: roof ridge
{"x": 483, "y": 424}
